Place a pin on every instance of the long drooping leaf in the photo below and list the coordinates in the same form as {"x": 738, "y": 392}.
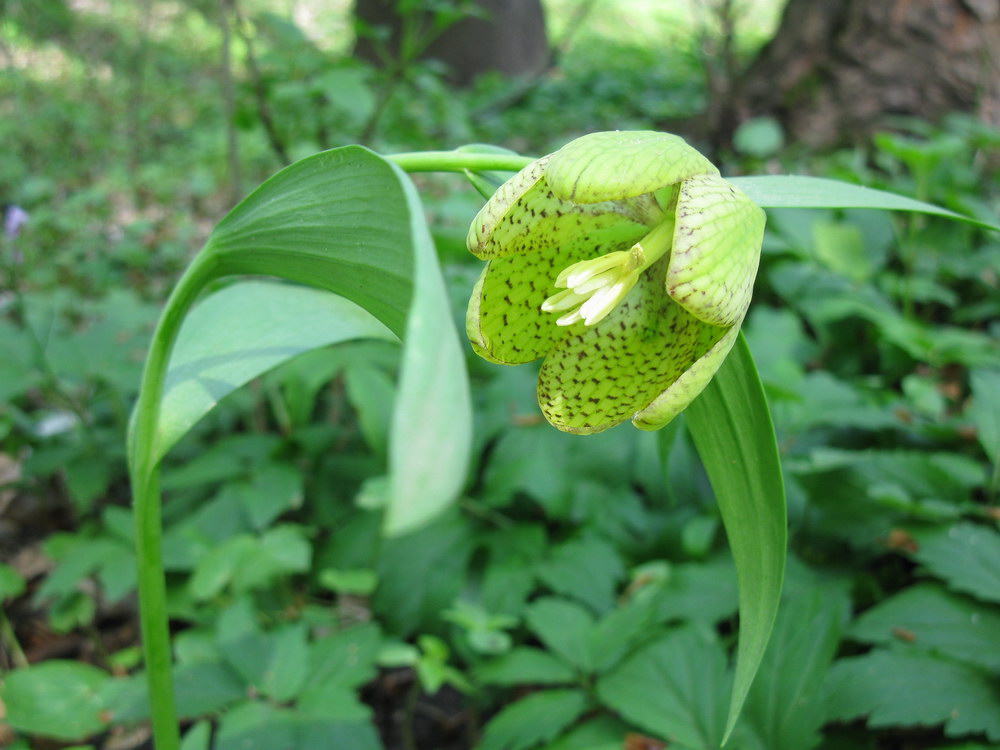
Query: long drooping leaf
{"x": 790, "y": 191}
{"x": 350, "y": 222}
{"x": 431, "y": 438}
{"x": 732, "y": 430}
{"x": 243, "y": 331}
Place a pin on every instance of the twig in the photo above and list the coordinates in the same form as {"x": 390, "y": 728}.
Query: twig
{"x": 9, "y": 637}
{"x": 260, "y": 91}
{"x": 229, "y": 101}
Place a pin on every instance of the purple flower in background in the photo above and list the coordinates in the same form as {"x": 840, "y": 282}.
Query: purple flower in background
{"x": 14, "y": 218}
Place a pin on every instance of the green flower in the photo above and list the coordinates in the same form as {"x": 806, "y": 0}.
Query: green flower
{"x": 628, "y": 263}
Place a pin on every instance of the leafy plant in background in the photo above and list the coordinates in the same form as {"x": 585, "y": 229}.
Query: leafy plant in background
{"x": 875, "y": 338}
{"x": 384, "y": 264}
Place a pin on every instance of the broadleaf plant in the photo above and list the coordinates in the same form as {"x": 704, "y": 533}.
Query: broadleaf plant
{"x": 661, "y": 230}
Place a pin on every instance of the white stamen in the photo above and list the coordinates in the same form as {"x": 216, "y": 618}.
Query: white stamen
{"x": 596, "y": 286}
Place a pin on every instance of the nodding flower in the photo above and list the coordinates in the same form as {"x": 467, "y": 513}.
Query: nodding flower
{"x": 628, "y": 263}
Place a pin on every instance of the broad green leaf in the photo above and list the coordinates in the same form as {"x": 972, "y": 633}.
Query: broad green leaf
{"x": 897, "y": 689}
{"x": 421, "y": 573}
{"x": 199, "y": 689}
{"x": 59, "y": 699}
{"x": 525, "y": 666}
{"x": 601, "y": 733}
{"x": 965, "y": 555}
{"x": 565, "y": 628}
{"x": 198, "y": 737}
{"x": 587, "y": 569}
{"x": 986, "y": 412}
{"x": 345, "y": 659}
{"x": 619, "y": 631}
{"x": 732, "y": 430}
{"x": 928, "y": 618}
{"x": 349, "y": 222}
{"x": 538, "y": 718}
{"x": 333, "y": 702}
{"x": 11, "y": 582}
{"x": 256, "y": 726}
{"x": 675, "y": 689}
{"x": 261, "y": 726}
{"x": 697, "y": 591}
{"x": 784, "y": 709}
{"x": 432, "y": 421}
{"x": 243, "y": 331}
{"x": 788, "y": 191}
{"x": 275, "y": 664}
{"x": 273, "y": 489}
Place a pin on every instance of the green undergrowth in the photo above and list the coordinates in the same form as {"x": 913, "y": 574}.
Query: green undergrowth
{"x": 580, "y": 591}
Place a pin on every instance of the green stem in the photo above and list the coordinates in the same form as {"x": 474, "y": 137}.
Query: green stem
{"x": 144, "y": 470}
{"x": 459, "y": 161}
{"x": 9, "y": 637}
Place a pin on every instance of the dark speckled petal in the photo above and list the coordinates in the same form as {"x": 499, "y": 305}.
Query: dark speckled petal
{"x": 622, "y": 164}
{"x": 505, "y": 322}
{"x": 525, "y": 217}
{"x": 600, "y": 376}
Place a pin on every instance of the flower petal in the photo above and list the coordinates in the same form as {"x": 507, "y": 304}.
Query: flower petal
{"x": 524, "y": 216}
{"x": 505, "y": 321}
{"x": 716, "y": 250}
{"x": 687, "y": 387}
{"x": 622, "y": 164}
{"x": 600, "y": 376}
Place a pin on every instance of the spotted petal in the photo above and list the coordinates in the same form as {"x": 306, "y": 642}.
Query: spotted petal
{"x": 599, "y": 376}
{"x": 505, "y": 322}
{"x": 716, "y": 250}
{"x": 525, "y": 216}
{"x": 687, "y": 387}
{"x": 622, "y": 164}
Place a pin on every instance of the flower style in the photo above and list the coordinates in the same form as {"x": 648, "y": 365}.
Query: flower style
{"x": 628, "y": 263}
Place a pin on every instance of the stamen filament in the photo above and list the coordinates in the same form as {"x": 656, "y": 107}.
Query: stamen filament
{"x": 597, "y": 285}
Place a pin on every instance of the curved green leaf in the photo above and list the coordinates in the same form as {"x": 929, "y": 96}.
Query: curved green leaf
{"x": 789, "y": 191}
{"x": 243, "y": 331}
{"x": 431, "y": 440}
{"x": 349, "y": 222}
{"x": 732, "y": 430}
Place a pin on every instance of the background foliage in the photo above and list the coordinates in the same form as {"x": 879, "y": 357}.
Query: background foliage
{"x": 581, "y": 590}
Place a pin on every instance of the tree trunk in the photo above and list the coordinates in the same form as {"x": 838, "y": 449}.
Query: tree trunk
{"x": 836, "y": 68}
{"x": 509, "y": 39}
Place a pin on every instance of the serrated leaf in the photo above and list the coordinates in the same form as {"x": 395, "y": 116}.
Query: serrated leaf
{"x": 600, "y": 733}
{"x": 525, "y": 666}
{"x": 58, "y": 699}
{"x": 925, "y": 617}
{"x": 198, "y": 737}
{"x": 965, "y": 555}
{"x": 538, "y": 718}
{"x": 272, "y": 490}
{"x": 732, "y": 430}
{"x": 346, "y": 659}
{"x": 256, "y": 726}
{"x": 784, "y": 710}
{"x": 676, "y": 689}
{"x": 419, "y": 574}
{"x": 985, "y": 411}
{"x": 586, "y": 569}
{"x": 199, "y": 689}
{"x": 697, "y": 591}
{"x": 896, "y": 689}
{"x": 565, "y": 628}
